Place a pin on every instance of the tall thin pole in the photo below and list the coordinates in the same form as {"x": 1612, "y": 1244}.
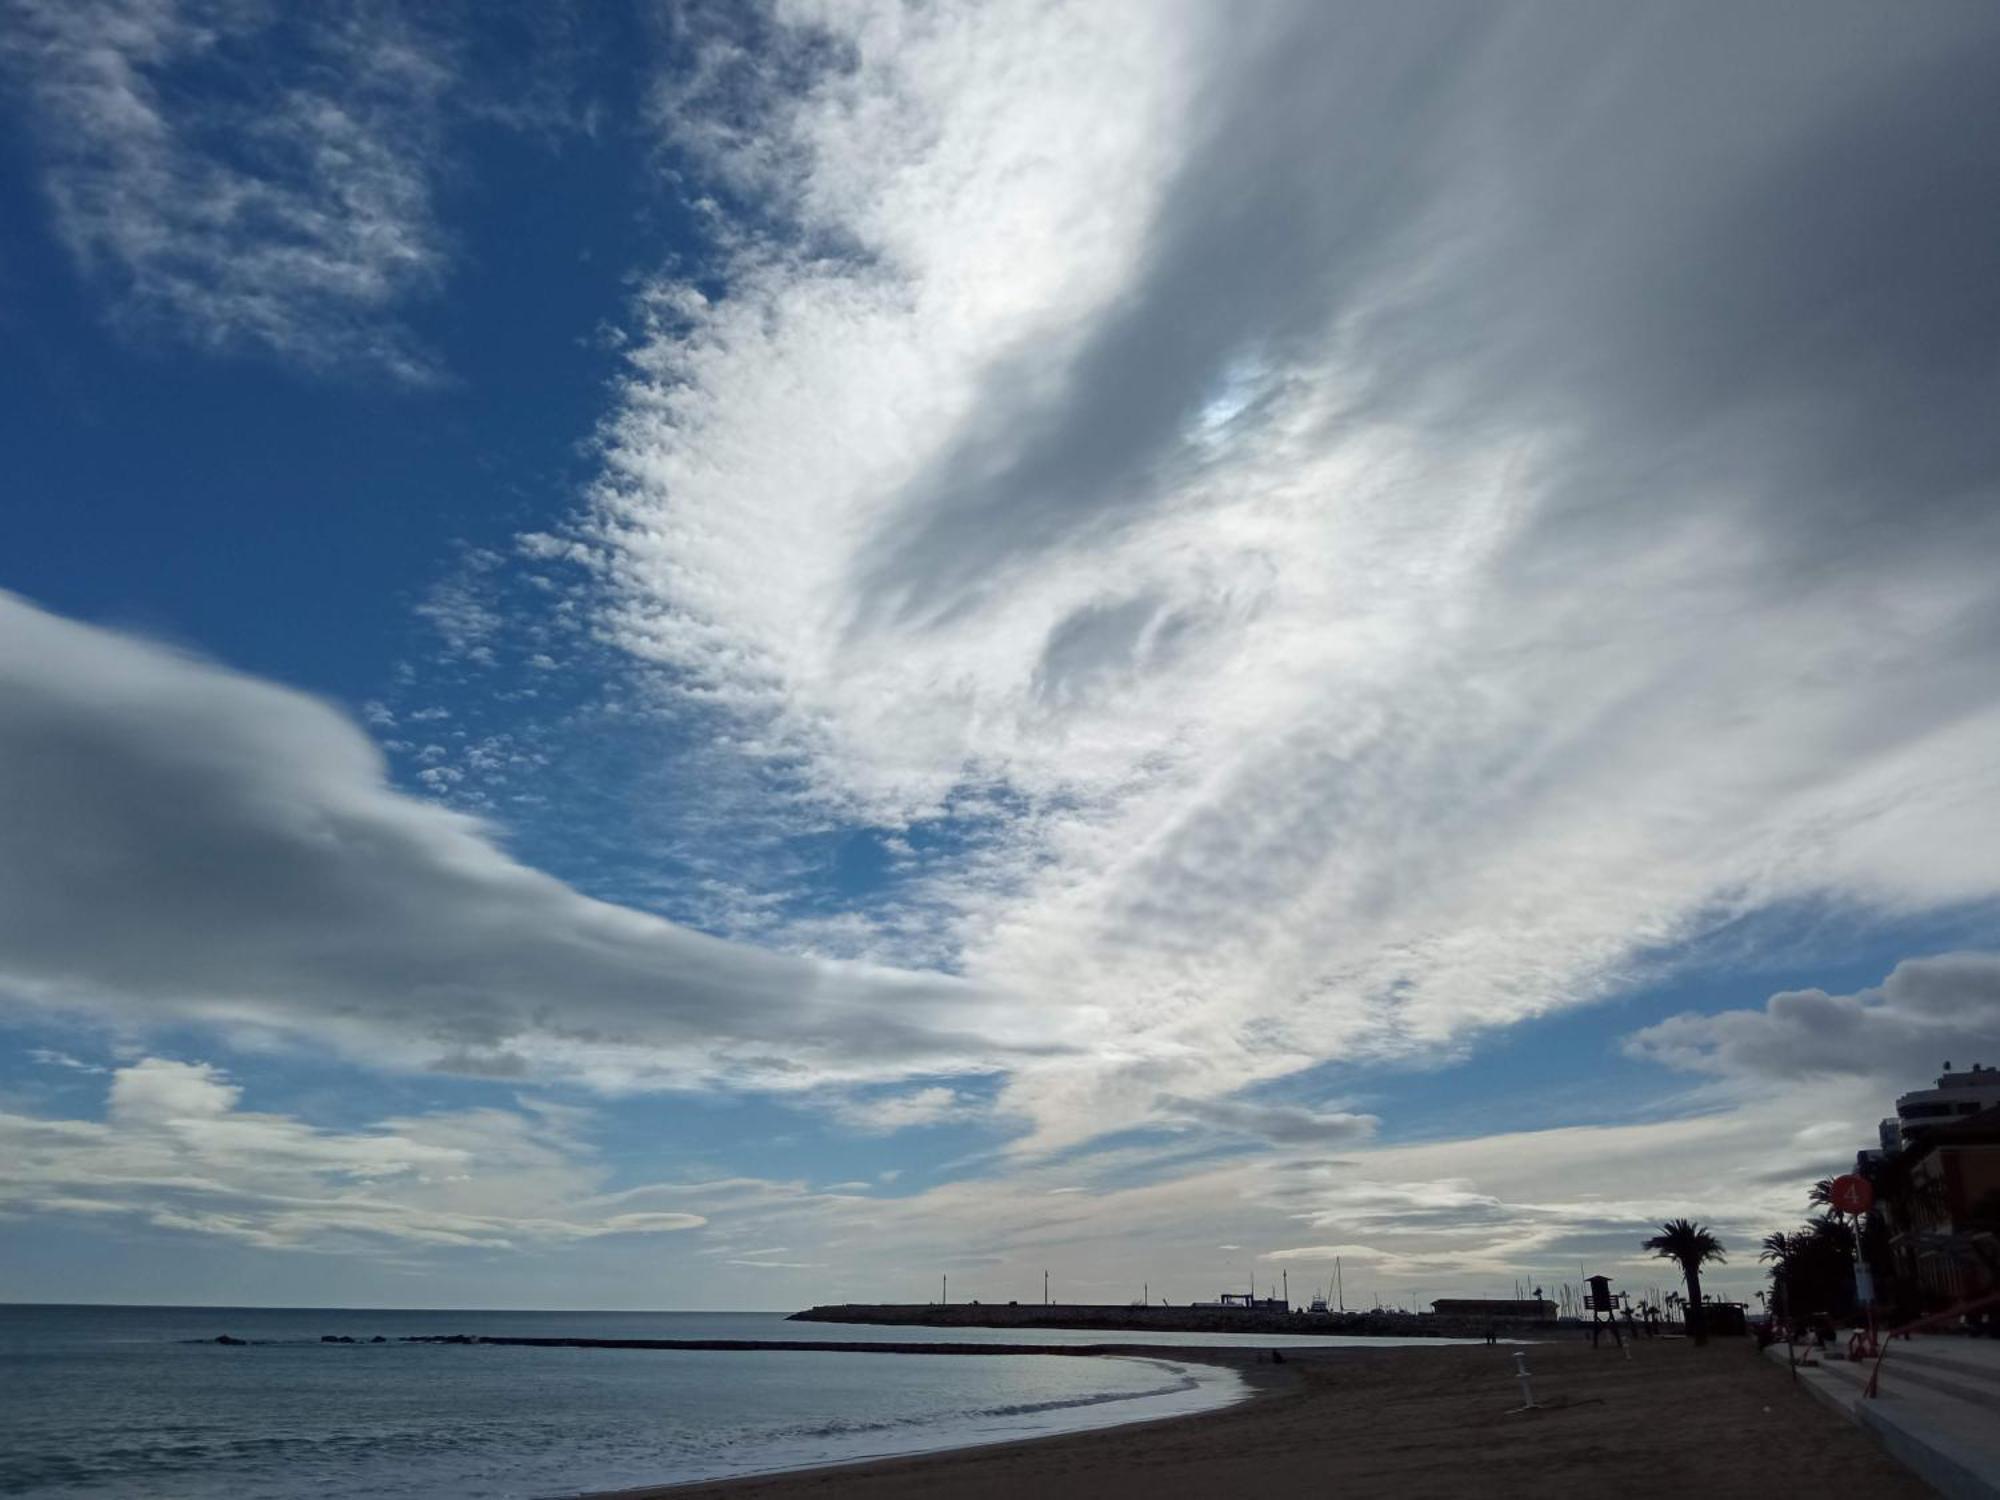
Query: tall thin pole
{"x": 1288, "y": 1288}
{"x": 1045, "y": 1288}
{"x": 944, "y": 1288}
{"x": 1339, "y": 1293}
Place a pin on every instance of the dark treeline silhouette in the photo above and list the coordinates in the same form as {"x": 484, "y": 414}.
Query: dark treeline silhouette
{"x": 1812, "y": 1271}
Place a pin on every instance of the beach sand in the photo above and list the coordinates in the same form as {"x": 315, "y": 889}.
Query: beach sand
{"x": 1410, "y": 1423}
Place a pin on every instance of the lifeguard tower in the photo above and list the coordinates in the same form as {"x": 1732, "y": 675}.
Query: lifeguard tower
{"x": 1603, "y": 1304}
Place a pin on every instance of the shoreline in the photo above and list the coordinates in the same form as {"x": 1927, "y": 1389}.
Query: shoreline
{"x": 1198, "y": 1353}
{"x": 1261, "y": 1379}
{"x": 1406, "y": 1423}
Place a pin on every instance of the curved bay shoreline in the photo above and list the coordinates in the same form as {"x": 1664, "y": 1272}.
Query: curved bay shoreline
{"x": 1409, "y": 1423}
{"x": 1199, "y": 1352}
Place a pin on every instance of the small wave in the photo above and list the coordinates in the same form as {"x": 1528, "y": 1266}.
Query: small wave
{"x": 855, "y": 1428}
{"x": 1028, "y": 1408}
{"x": 282, "y": 1421}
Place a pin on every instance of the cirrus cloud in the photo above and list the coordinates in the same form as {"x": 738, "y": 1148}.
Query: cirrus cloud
{"x": 234, "y": 197}
{"x": 1329, "y": 530}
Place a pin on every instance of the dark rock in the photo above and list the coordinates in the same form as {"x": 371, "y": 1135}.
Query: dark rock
{"x": 226, "y": 1339}
{"x": 335, "y": 1338}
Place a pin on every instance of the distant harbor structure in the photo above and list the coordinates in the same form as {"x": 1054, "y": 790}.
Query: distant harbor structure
{"x": 1334, "y": 1298}
{"x": 1236, "y": 1313}
{"x": 1245, "y": 1302}
{"x": 1514, "y": 1309}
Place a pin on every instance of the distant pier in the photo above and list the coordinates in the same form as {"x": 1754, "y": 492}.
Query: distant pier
{"x": 1118, "y": 1318}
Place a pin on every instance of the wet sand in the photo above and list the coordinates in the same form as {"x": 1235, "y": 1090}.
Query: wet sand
{"x": 1411, "y": 1423}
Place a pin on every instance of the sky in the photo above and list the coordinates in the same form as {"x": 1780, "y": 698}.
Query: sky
{"x": 734, "y": 656}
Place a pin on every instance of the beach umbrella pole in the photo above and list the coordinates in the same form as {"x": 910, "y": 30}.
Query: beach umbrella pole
{"x": 1528, "y": 1401}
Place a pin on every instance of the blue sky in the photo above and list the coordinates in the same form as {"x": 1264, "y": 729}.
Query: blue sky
{"x": 719, "y": 656}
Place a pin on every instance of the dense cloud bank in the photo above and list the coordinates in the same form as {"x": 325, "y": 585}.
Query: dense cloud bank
{"x": 1927, "y": 1012}
{"x": 182, "y": 842}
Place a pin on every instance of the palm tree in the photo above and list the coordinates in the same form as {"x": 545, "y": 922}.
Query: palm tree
{"x": 1692, "y": 1246}
{"x": 1820, "y": 1194}
{"x": 1779, "y": 1248}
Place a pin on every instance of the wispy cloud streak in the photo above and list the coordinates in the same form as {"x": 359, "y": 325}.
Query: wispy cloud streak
{"x": 240, "y": 180}
{"x": 176, "y": 1151}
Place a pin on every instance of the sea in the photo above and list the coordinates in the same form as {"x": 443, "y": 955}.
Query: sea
{"x": 141, "y": 1401}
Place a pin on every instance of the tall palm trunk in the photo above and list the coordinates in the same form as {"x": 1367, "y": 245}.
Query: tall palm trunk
{"x": 1697, "y": 1324}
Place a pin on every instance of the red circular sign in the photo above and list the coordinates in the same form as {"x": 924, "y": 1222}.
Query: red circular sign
{"x": 1851, "y": 1194}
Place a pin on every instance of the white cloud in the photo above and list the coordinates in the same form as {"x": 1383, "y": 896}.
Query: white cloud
{"x": 1325, "y": 1253}
{"x": 464, "y": 608}
{"x": 1410, "y": 1221}
{"x": 1928, "y": 1011}
{"x": 884, "y": 1114}
{"x": 1298, "y": 554}
{"x": 290, "y": 221}
{"x": 1341, "y": 560}
{"x": 50, "y": 1058}
{"x": 154, "y": 1090}
{"x": 177, "y": 1152}
{"x": 187, "y": 844}
{"x": 1280, "y": 1124}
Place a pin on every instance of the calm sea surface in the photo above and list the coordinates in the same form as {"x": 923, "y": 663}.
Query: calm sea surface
{"x": 119, "y": 1401}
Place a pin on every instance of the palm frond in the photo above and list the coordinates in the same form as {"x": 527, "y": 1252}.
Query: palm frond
{"x": 1685, "y": 1241}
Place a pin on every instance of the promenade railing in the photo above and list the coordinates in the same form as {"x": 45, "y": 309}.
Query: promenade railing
{"x": 1958, "y": 1310}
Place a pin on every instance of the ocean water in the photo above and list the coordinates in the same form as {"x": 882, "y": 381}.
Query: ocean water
{"x": 127, "y": 1402}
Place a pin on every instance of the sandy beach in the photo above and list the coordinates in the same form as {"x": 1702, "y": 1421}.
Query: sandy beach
{"x": 1673, "y": 1420}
